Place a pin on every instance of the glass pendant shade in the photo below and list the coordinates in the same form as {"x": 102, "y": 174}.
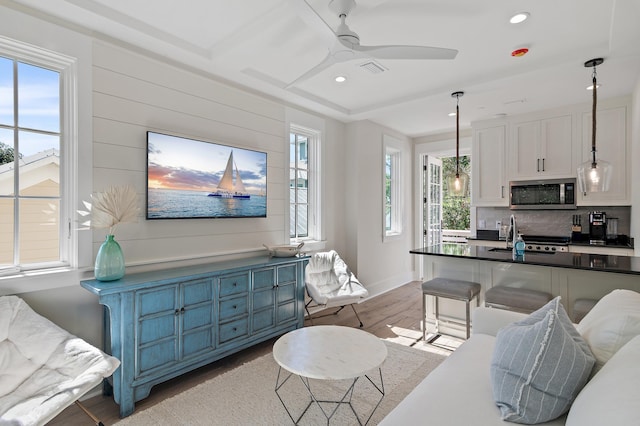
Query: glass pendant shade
{"x": 594, "y": 176}
{"x": 458, "y": 185}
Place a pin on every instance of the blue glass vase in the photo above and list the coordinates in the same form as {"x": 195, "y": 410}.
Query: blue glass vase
{"x": 109, "y": 261}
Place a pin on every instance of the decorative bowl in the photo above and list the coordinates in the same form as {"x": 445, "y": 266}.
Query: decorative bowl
{"x": 285, "y": 250}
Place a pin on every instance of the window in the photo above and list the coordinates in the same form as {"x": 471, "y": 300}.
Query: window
{"x": 34, "y": 201}
{"x": 303, "y": 184}
{"x": 392, "y": 190}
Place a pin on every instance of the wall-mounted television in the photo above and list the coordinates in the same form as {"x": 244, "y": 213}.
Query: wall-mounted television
{"x": 188, "y": 178}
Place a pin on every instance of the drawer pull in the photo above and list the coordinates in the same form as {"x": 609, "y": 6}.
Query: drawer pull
{"x": 182, "y": 310}
{"x": 235, "y": 284}
{"x": 177, "y": 312}
{"x": 235, "y": 329}
{"x": 235, "y": 307}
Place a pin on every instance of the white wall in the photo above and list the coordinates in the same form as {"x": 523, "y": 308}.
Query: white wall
{"x": 124, "y": 93}
{"x": 133, "y": 94}
{"x": 635, "y": 167}
{"x": 379, "y": 265}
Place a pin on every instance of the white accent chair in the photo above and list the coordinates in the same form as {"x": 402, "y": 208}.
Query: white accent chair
{"x": 330, "y": 283}
{"x": 43, "y": 368}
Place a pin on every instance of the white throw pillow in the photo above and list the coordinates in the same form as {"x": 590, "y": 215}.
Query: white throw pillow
{"x": 610, "y": 324}
{"x": 539, "y": 365}
{"x": 612, "y": 397}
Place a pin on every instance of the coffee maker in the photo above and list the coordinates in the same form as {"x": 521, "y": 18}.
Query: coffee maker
{"x": 597, "y": 228}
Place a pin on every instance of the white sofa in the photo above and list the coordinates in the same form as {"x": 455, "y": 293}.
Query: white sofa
{"x": 459, "y": 391}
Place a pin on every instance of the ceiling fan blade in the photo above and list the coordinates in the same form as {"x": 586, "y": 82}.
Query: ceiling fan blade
{"x": 315, "y": 21}
{"x": 326, "y": 63}
{"x": 404, "y": 52}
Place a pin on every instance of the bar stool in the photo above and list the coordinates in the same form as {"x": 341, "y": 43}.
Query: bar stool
{"x": 451, "y": 289}
{"x": 581, "y": 307}
{"x": 516, "y": 299}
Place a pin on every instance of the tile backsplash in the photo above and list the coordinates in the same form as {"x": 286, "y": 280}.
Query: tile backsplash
{"x": 550, "y": 222}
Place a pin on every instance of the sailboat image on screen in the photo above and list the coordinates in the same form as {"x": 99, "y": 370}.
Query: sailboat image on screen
{"x": 228, "y": 186}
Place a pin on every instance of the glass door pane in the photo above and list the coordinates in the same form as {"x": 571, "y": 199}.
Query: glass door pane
{"x": 432, "y": 231}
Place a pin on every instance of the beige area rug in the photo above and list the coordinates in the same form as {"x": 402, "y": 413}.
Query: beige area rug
{"x": 246, "y": 395}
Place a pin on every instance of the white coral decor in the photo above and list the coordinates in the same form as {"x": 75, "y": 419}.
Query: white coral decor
{"x": 118, "y": 204}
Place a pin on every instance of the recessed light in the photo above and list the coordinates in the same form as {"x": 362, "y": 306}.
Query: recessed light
{"x": 341, "y": 79}
{"x": 519, "y": 17}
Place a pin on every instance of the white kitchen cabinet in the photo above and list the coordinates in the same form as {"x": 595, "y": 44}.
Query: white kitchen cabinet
{"x": 612, "y": 146}
{"x": 488, "y": 170}
{"x": 541, "y": 149}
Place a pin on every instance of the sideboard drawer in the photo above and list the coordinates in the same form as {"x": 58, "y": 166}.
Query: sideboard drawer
{"x": 234, "y": 329}
{"x": 233, "y": 307}
{"x": 234, "y": 284}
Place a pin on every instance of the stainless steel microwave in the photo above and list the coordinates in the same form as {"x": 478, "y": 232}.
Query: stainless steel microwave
{"x": 548, "y": 194}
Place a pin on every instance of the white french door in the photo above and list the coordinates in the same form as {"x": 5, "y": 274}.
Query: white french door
{"x": 432, "y": 200}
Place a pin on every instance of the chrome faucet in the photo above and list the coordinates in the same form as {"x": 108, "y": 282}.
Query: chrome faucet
{"x": 512, "y": 235}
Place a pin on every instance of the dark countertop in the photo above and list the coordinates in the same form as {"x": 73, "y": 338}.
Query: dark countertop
{"x": 622, "y": 242}
{"x": 583, "y": 261}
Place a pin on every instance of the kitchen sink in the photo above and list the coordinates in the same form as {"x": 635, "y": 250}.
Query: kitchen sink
{"x": 508, "y": 250}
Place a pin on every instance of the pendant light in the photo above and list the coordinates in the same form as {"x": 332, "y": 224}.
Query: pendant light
{"x": 594, "y": 175}
{"x": 458, "y": 184}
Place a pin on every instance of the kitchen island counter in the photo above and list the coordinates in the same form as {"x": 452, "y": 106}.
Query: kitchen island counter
{"x": 584, "y": 261}
{"x": 573, "y": 276}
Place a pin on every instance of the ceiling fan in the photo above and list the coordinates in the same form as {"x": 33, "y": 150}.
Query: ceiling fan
{"x": 345, "y": 43}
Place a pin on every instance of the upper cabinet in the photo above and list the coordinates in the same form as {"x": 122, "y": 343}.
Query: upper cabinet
{"x": 488, "y": 176}
{"x": 541, "y": 149}
{"x": 550, "y": 145}
{"x": 611, "y": 146}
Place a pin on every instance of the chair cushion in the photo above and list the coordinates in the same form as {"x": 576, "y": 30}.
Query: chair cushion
{"x": 337, "y": 286}
{"x": 43, "y": 368}
{"x": 539, "y": 365}
{"x": 320, "y": 272}
{"x": 454, "y": 289}
{"x": 611, "y": 323}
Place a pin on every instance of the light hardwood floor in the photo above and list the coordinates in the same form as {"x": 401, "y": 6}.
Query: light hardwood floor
{"x": 394, "y": 315}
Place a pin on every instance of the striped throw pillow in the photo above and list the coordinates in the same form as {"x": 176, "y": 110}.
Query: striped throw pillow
{"x": 539, "y": 365}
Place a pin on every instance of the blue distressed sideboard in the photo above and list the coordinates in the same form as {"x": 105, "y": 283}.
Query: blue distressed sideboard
{"x": 164, "y": 323}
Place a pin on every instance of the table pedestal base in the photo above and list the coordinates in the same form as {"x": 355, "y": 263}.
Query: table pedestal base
{"x": 329, "y": 413}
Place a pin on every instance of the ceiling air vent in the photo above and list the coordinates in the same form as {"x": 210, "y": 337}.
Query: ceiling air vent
{"x": 373, "y": 67}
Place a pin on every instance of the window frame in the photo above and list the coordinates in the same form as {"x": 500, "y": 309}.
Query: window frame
{"x": 392, "y": 148}
{"x": 314, "y": 205}
{"x": 67, "y": 68}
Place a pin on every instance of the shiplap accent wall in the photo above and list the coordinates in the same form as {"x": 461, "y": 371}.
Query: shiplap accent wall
{"x": 132, "y": 94}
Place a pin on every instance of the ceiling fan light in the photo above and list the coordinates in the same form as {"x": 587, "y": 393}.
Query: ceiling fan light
{"x": 519, "y": 17}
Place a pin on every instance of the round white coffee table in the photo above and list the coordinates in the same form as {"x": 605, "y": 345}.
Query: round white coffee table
{"x": 328, "y": 352}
